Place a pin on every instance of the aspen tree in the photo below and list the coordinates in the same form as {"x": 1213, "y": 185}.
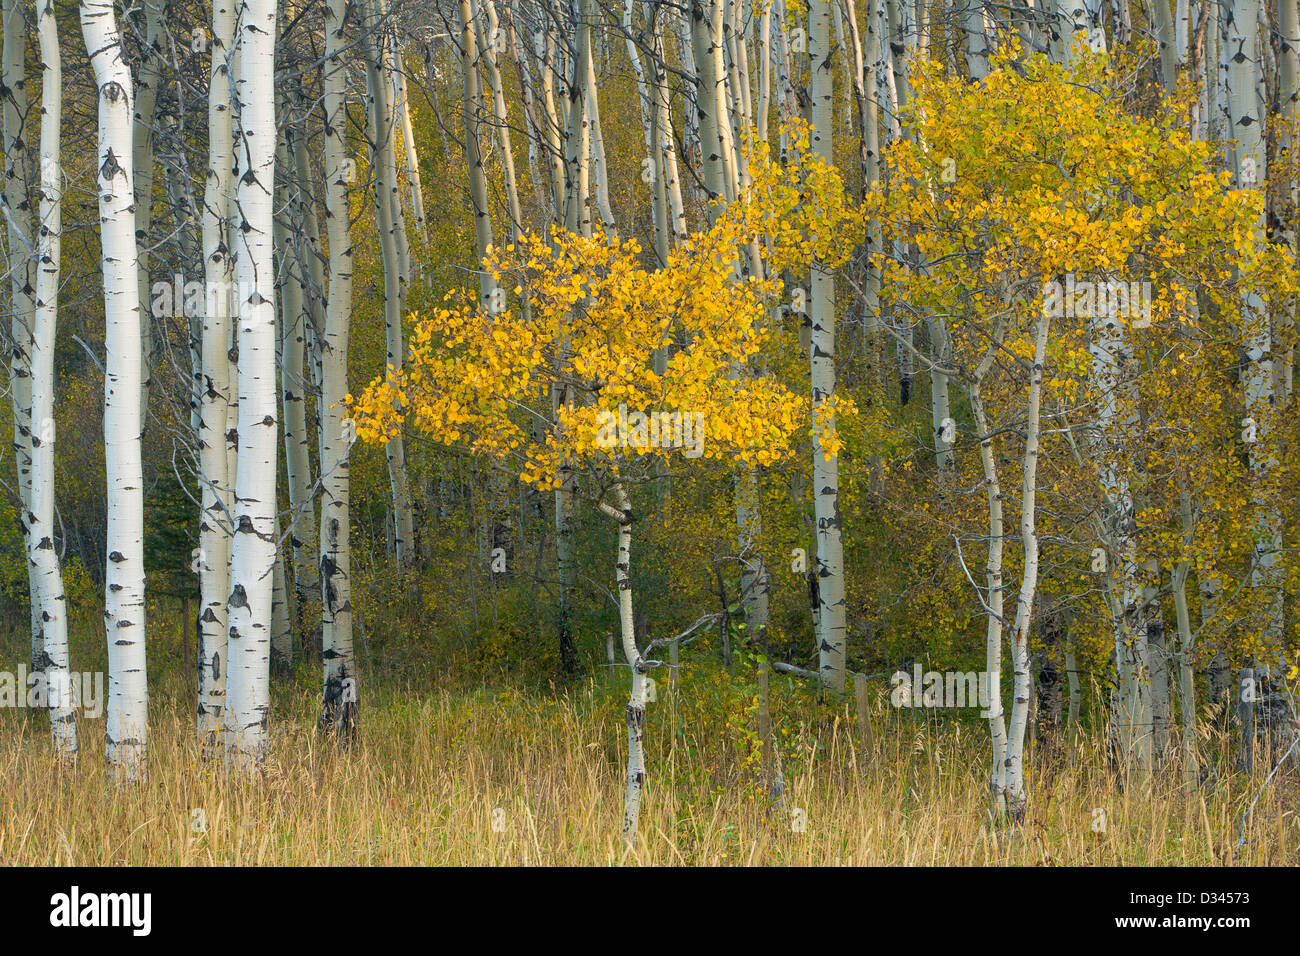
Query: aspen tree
{"x": 216, "y": 521}
{"x": 249, "y": 609}
{"x": 1246, "y": 160}
{"x": 21, "y": 235}
{"x": 339, "y": 712}
{"x": 392, "y": 228}
{"x": 126, "y": 731}
{"x": 40, "y": 521}
{"x": 831, "y": 623}
{"x": 298, "y": 285}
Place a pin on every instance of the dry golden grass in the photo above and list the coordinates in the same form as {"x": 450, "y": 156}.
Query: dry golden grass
{"x": 434, "y": 772}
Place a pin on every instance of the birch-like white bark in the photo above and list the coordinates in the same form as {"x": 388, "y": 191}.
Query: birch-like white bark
{"x": 412, "y": 152}
{"x": 1115, "y": 390}
{"x": 217, "y": 500}
{"x": 831, "y": 624}
{"x": 1189, "y": 737}
{"x": 296, "y": 254}
{"x": 40, "y": 520}
{"x": 1246, "y": 161}
{"x": 126, "y": 731}
{"x": 281, "y": 615}
{"x": 148, "y": 79}
{"x": 253, "y": 552}
{"x": 339, "y": 710}
{"x": 20, "y": 227}
{"x": 1014, "y": 779}
{"x": 392, "y": 229}
{"x": 577, "y": 202}
{"x": 621, "y": 512}
{"x": 490, "y": 33}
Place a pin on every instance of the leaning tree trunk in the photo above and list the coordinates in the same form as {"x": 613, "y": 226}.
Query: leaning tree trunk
{"x": 253, "y": 554}
{"x": 215, "y": 522}
{"x": 126, "y": 732}
{"x": 40, "y": 520}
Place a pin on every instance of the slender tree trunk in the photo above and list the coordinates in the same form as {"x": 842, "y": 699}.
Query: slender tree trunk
{"x": 1014, "y": 781}
{"x": 383, "y": 157}
{"x": 340, "y": 706}
{"x": 976, "y": 39}
{"x": 40, "y": 520}
{"x": 253, "y": 554}
{"x": 491, "y": 32}
{"x": 831, "y": 631}
{"x": 1246, "y": 162}
{"x": 412, "y": 154}
{"x": 994, "y": 601}
{"x": 216, "y": 519}
{"x": 148, "y": 80}
{"x": 281, "y": 617}
{"x": 1115, "y": 391}
{"x": 622, "y": 513}
{"x": 295, "y": 323}
{"x": 17, "y": 123}
{"x": 1189, "y": 738}
{"x": 126, "y": 733}
{"x": 577, "y": 200}
{"x": 1075, "y": 685}
{"x": 1158, "y": 658}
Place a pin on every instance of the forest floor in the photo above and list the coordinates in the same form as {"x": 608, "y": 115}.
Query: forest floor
{"x": 454, "y": 775}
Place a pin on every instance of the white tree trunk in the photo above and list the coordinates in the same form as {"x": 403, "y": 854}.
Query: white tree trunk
{"x": 253, "y": 553}
{"x": 126, "y": 732}
{"x": 994, "y": 601}
{"x": 148, "y": 79}
{"x": 1189, "y": 738}
{"x": 40, "y": 520}
{"x": 339, "y": 710}
{"x": 977, "y": 41}
{"x": 281, "y": 616}
{"x": 622, "y": 513}
{"x": 577, "y": 201}
{"x": 412, "y": 154}
{"x": 1246, "y": 162}
{"x": 391, "y": 237}
{"x": 1112, "y": 384}
{"x": 831, "y": 631}
{"x": 296, "y": 255}
{"x": 21, "y": 265}
{"x": 491, "y": 35}
{"x": 215, "y": 522}
{"x": 1014, "y": 781}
